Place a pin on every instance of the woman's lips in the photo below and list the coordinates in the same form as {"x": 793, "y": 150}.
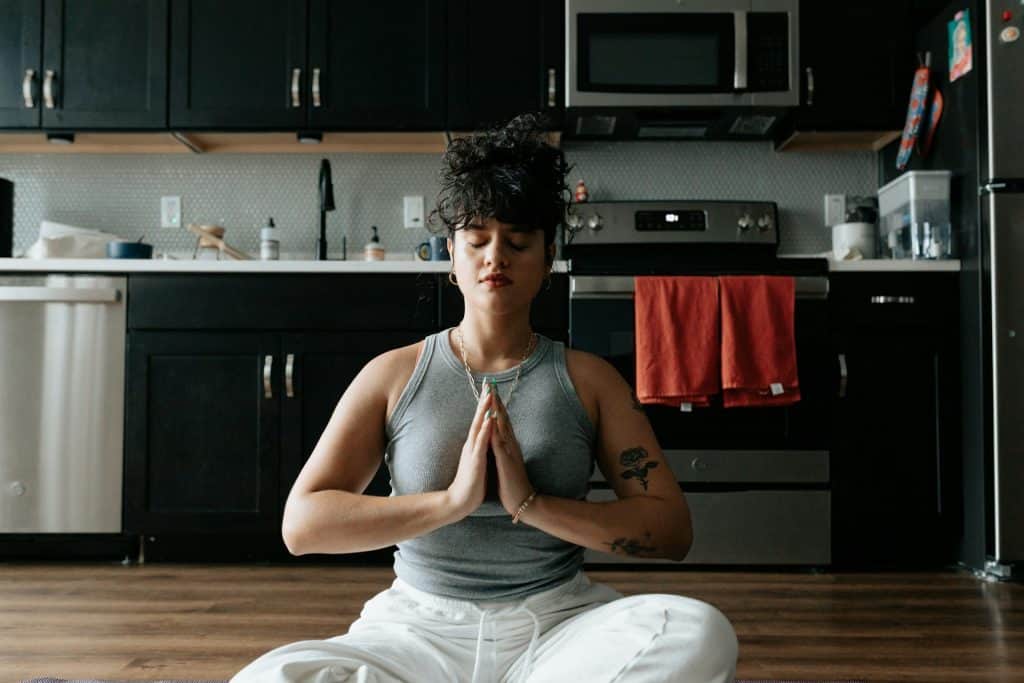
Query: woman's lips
{"x": 496, "y": 282}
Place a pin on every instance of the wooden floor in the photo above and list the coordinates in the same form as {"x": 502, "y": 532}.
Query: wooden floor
{"x": 206, "y": 622}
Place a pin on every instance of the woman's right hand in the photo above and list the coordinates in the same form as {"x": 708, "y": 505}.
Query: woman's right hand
{"x": 467, "y": 490}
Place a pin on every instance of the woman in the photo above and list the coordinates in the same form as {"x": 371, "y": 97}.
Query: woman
{"x": 488, "y": 582}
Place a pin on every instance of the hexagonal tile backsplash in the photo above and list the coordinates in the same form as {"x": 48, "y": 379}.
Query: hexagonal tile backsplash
{"x": 121, "y": 193}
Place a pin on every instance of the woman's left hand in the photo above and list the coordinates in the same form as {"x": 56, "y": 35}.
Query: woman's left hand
{"x": 513, "y": 482}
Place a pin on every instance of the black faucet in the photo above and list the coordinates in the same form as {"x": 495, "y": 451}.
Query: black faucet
{"x": 326, "y": 204}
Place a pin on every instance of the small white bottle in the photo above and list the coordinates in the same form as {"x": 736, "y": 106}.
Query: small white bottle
{"x": 270, "y": 247}
{"x": 374, "y": 250}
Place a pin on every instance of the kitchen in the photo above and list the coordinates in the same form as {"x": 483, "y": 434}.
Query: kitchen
{"x": 182, "y": 393}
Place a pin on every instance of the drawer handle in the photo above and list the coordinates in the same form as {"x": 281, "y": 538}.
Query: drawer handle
{"x": 268, "y": 363}
{"x": 289, "y": 365}
{"x": 48, "y": 88}
{"x": 552, "y": 88}
{"x": 26, "y": 88}
{"x": 842, "y": 375}
{"x": 316, "y": 87}
{"x": 296, "y": 75}
{"x": 892, "y": 300}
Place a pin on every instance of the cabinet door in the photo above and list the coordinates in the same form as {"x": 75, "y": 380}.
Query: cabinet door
{"x": 854, "y": 59}
{"x": 887, "y": 451}
{"x": 238, "y": 64}
{"x": 202, "y": 415}
{"x": 21, "y": 41}
{"x": 488, "y": 82}
{"x": 377, "y": 65}
{"x": 109, "y": 63}
{"x": 318, "y": 369}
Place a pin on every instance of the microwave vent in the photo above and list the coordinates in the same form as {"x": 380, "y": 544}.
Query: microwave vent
{"x": 595, "y": 124}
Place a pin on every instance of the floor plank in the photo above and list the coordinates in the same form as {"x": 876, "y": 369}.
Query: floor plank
{"x": 96, "y": 620}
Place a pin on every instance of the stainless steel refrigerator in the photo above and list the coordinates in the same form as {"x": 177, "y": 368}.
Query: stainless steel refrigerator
{"x": 981, "y": 139}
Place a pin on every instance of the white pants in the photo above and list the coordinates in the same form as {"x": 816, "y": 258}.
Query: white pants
{"x": 576, "y": 632}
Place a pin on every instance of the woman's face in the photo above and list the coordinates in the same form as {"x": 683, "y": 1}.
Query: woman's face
{"x": 488, "y": 247}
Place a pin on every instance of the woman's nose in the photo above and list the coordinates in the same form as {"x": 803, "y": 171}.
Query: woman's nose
{"x": 496, "y": 253}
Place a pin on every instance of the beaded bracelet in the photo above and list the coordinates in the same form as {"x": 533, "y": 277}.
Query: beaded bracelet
{"x": 529, "y": 499}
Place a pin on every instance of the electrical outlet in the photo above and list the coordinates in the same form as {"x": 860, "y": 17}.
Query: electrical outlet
{"x": 413, "y": 206}
{"x": 170, "y": 212}
{"x": 835, "y": 209}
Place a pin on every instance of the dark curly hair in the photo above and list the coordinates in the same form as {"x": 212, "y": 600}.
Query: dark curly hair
{"x": 510, "y": 173}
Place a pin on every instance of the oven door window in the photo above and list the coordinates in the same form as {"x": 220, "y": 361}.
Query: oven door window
{"x": 656, "y": 53}
{"x": 605, "y": 327}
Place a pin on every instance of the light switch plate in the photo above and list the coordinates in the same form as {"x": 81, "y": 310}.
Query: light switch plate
{"x": 413, "y": 210}
{"x": 835, "y": 209}
{"x": 170, "y": 212}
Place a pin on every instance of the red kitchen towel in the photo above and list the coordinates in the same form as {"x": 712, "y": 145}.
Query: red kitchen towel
{"x": 758, "y": 341}
{"x": 677, "y": 340}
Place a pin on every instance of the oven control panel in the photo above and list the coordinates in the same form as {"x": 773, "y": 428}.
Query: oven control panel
{"x": 707, "y": 222}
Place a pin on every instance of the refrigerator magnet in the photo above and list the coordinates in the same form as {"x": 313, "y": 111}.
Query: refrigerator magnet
{"x": 960, "y": 48}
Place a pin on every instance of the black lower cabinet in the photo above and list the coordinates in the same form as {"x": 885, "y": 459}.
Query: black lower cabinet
{"x": 202, "y": 442}
{"x": 894, "y": 451}
{"x": 229, "y": 390}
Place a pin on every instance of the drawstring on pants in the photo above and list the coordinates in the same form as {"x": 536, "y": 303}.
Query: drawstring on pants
{"x": 528, "y": 665}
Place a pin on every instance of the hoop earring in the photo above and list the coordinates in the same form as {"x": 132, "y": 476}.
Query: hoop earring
{"x": 451, "y": 278}
{"x": 548, "y": 279}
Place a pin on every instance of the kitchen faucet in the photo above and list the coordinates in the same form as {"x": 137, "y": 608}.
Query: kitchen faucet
{"x": 326, "y": 204}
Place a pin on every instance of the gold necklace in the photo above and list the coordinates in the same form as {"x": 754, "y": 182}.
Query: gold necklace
{"x": 469, "y": 371}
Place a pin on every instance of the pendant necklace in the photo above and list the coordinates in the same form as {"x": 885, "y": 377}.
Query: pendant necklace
{"x": 469, "y": 372}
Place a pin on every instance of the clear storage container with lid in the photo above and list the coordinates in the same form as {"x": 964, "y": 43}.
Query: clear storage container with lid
{"x": 914, "y": 216}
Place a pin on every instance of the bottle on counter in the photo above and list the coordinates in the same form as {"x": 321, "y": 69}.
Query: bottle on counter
{"x": 270, "y": 246}
{"x": 374, "y": 250}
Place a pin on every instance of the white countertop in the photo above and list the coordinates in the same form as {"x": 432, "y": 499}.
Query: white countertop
{"x": 99, "y": 265}
{"x": 882, "y": 265}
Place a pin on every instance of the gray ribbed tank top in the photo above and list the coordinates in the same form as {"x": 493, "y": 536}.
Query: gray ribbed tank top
{"x": 484, "y": 556}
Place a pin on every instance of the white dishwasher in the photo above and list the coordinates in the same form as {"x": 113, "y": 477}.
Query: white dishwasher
{"x": 62, "y": 346}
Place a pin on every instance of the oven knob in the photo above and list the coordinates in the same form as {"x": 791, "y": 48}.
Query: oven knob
{"x": 698, "y": 465}
{"x": 575, "y": 221}
{"x": 745, "y": 222}
{"x": 764, "y": 223}
{"x": 594, "y": 222}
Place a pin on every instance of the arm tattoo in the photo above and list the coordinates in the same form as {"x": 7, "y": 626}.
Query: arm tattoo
{"x": 633, "y": 546}
{"x": 631, "y": 459}
{"x": 636, "y": 402}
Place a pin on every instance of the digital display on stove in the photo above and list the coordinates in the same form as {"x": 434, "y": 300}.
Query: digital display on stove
{"x": 689, "y": 221}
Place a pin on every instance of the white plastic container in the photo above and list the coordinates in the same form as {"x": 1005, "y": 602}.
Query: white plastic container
{"x": 911, "y": 206}
{"x": 270, "y": 246}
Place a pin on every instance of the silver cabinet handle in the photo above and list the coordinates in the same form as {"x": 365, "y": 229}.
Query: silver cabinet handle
{"x": 26, "y": 88}
{"x": 892, "y": 299}
{"x": 60, "y": 295}
{"x": 739, "y": 77}
{"x": 296, "y": 76}
{"x": 552, "y": 88}
{"x": 268, "y": 363}
{"x": 316, "y": 87}
{"x": 842, "y": 375}
{"x": 289, "y": 365}
{"x": 48, "y": 88}
{"x": 810, "y": 86}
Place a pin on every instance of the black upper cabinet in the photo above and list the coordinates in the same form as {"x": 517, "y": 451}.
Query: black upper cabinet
{"x": 103, "y": 64}
{"x": 21, "y": 42}
{"x": 238, "y": 64}
{"x": 503, "y": 59}
{"x": 377, "y": 65}
{"x": 856, "y": 65}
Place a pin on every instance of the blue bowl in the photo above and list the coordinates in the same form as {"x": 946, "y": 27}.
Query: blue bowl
{"x": 129, "y": 250}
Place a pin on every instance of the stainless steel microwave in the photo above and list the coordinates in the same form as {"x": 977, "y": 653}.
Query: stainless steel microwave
{"x": 682, "y": 53}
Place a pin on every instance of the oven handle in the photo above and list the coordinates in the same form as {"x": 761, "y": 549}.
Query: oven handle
{"x": 621, "y": 287}
{"x": 739, "y": 77}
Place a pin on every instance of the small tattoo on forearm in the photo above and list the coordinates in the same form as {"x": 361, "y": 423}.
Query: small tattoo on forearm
{"x": 633, "y": 546}
{"x": 636, "y": 402}
{"x": 632, "y": 458}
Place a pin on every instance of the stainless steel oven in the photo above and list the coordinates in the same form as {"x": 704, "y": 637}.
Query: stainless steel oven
{"x": 757, "y": 479}
{"x": 672, "y": 53}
